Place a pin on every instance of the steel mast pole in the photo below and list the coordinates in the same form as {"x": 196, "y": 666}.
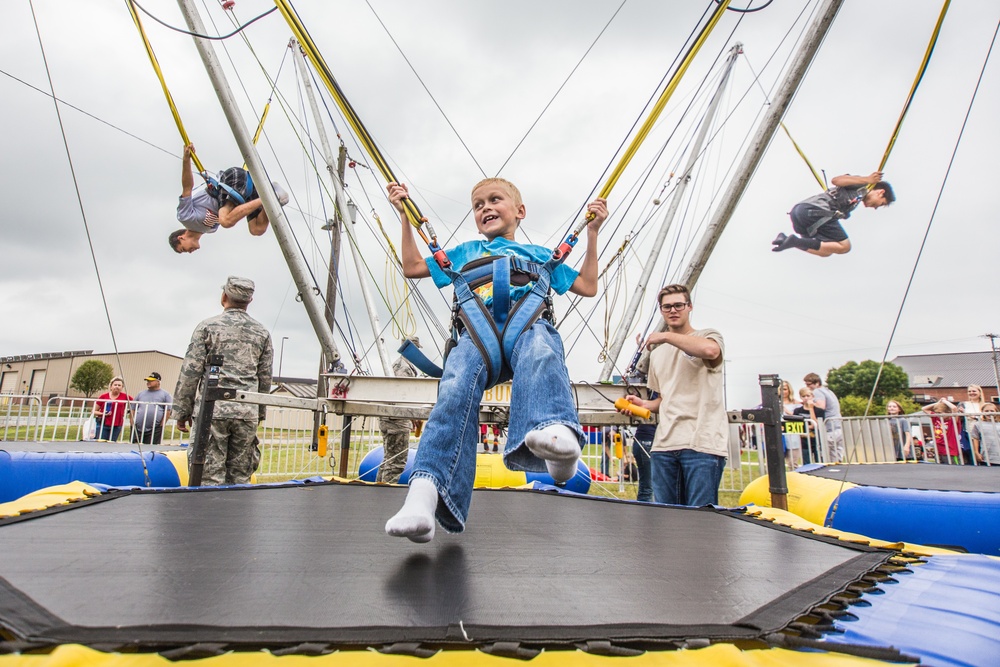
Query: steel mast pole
{"x": 803, "y": 58}
{"x": 313, "y": 301}
{"x": 346, "y": 210}
{"x": 654, "y": 254}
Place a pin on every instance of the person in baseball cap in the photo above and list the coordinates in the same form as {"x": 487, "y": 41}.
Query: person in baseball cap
{"x": 239, "y": 290}
{"x": 153, "y": 377}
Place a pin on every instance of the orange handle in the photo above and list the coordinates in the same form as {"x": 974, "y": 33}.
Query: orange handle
{"x": 624, "y": 405}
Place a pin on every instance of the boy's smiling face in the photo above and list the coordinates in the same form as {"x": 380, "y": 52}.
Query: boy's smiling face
{"x": 497, "y": 214}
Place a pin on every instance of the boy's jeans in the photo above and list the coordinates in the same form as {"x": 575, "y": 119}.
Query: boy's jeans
{"x": 687, "y": 477}
{"x": 540, "y": 396}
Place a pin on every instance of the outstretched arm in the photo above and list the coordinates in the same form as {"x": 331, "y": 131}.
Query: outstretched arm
{"x": 586, "y": 283}
{"x": 849, "y": 181}
{"x": 229, "y": 215}
{"x": 414, "y": 265}
{"x": 695, "y": 346}
{"x": 187, "y": 177}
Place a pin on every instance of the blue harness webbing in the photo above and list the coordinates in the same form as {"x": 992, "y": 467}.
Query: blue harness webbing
{"x": 214, "y": 185}
{"x": 494, "y": 331}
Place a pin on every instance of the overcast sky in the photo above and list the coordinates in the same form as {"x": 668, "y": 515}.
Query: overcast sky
{"x": 492, "y": 68}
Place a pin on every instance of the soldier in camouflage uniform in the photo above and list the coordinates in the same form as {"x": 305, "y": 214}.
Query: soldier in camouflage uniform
{"x": 396, "y": 431}
{"x": 232, "y": 453}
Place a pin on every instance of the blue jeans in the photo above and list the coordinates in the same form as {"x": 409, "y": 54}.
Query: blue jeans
{"x": 640, "y": 452}
{"x": 687, "y": 477}
{"x": 540, "y": 396}
{"x": 105, "y": 432}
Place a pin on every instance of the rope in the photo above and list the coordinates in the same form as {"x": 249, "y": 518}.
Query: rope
{"x": 83, "y": 214}
{"x": 916, "y": 84}
{"x": 195, "y": 34}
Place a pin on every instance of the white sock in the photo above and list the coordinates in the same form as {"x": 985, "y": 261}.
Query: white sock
{"x": 280, "y": 193}
{"x": 415, "y": 520}
{"x": 558, "y": 446}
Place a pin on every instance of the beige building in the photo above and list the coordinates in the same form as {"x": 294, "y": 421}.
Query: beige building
{"x": 48, "y": 374}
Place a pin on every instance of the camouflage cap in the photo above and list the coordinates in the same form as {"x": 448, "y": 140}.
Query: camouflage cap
{"x": 413, "y": 339}
{"x": 239, "y": 289}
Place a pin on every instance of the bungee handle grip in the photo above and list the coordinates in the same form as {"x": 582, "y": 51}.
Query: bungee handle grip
{"x": 623, "y": 405}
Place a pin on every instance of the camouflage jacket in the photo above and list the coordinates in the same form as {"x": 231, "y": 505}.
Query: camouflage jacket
{"x": 246, "y": 346}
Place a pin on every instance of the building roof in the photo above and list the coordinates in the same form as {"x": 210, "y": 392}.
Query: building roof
{"x": 298, "y": 387}
{"x": 958, "y": 369}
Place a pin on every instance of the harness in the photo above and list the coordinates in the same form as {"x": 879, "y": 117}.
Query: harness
{"x": 215, "y": 187}
{"x": 842, "y": 209}
{"x": 494, "y": 329}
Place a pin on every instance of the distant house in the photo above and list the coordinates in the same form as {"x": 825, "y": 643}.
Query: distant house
{"x": 298, "y": 387}
{"x": 936, "y": 376}
{"x": 48, "y": 374}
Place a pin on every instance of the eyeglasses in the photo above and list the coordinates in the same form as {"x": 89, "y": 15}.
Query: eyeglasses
{"x": 678, "y": 307}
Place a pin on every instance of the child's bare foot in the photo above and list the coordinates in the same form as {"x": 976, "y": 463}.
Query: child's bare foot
{"x": 415, "y": 520}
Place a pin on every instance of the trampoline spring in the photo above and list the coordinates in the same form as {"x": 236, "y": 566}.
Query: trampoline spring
{"x": 605, "y": 647}
{"x": 415, "y": 649}
{"x": 511, "y": 650}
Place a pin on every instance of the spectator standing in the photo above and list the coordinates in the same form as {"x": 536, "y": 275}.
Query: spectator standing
{"x": 811, "y": 413}
{"x": 828, "y": 402}
{"x": 232, "y": 452}
{"x": 792, "y": 441}
{"x": 986, "y": 436}
{"x": 692, "y": 437}
{"x": 945, "y": 429}
{"x": 899, "y": 429}
{"x": 970, "y": 407}
{"x": 151, "y": 412}
{"x": 110, "y": 410}
{"x": 396, "y": 430}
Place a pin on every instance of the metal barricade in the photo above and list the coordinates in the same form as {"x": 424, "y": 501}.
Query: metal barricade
{"x": 20, "y": 417}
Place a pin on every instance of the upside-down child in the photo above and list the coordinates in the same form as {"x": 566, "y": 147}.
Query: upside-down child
{"x": 203, "y": 210}
{"x": 817, "y": 219}
{"x": 545, "y": 432}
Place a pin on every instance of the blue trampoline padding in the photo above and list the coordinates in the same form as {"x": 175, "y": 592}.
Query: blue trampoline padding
{"x": 964, "y": 519}
{"x": 368, "y": 471}
{"x": 24, "y": 472}
{"x": 947, "y": 612}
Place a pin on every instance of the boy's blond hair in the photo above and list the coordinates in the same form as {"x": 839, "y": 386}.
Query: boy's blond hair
{"x": 503, "y": 183}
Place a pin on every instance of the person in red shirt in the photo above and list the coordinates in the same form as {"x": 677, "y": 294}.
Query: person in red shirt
{"x": 110, "y": 410}
{"x": 946, "y": 429}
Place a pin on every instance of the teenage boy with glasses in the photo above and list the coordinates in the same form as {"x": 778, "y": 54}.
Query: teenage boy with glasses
{"x": 692, "y": 437}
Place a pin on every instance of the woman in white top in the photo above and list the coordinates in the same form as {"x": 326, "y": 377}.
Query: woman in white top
{"x": 971, "y": 408}
{"x": 793, "y": 442}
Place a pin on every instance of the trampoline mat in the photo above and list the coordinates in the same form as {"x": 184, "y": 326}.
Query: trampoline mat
{"x": 280, "y": 565}
{"x": 924, "y": 476}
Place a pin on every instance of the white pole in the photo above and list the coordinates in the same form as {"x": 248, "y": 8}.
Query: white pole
{"x": 344, "y": 206}
{"x": 309, "y": 293}
{"x": 675, "y": 202}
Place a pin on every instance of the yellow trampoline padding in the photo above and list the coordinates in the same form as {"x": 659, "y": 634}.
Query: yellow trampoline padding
{"x": 783, "y": 518}
{"x": 48, "y": 497}
{"x": 719, "y": 655}
{"x": 808, "y": 496}
{"x": 180, "y": 461}
{"x": 492, "y": 474}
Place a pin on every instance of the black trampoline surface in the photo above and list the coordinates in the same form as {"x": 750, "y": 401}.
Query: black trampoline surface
{"x": 87, "y": 447}
{"x": 924, "y": 476}
{"x": 281, "y": 565}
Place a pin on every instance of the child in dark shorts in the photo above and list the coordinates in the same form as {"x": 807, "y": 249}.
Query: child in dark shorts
{"x": 816, "y": 220}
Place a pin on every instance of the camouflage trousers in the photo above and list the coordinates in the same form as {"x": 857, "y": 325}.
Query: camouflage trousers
{"x": 232, "y": 454}
{"x": 395, "y": 448}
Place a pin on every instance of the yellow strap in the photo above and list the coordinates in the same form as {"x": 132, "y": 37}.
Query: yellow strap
{"x": 260, "y": 127}
{"x": 662, "y": 102}
{"x": 163, "y": 84}
{"x": 913, "y": 88}
{"x": 319, "y": 64}
{"x": 798, "y": 150}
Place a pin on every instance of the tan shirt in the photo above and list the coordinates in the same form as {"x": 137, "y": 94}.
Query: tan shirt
{"x": 693, "y": 410}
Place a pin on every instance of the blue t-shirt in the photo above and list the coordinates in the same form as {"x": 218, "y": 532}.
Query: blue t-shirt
{"x": 463, "y": 253}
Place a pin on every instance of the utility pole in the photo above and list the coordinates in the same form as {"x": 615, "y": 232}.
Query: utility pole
{"x": 343, "y": 207}
{"x": 308, "y": 292}
{"x": 675, "y": 202}
{"x": 811, "y": 42}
